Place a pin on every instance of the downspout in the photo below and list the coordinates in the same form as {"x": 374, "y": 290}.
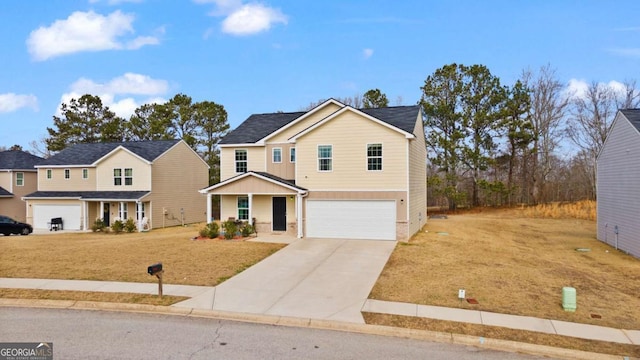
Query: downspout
{"x": 299, "y": 201}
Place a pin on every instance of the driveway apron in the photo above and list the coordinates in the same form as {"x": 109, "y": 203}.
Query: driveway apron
{"x": 311, "y": 278}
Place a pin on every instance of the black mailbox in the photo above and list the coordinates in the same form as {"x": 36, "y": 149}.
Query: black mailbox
{"x": 154, "y": 269}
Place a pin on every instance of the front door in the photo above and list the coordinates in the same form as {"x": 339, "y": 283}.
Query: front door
{"x": 105, "y": 215}
{"x": 279, "y": 215}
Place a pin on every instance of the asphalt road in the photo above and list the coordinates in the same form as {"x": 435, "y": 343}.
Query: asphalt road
{"x": 78, "y": 334}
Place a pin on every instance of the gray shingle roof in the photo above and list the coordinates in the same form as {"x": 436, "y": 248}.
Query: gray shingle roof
{"x": 633, "y": 115}
{"x": 258, "y": 126}
{"x": 18, "y": 160}
{"x": 279, "y": 179}
{"x": 5, "y": 193}
{"x": 89, "y": 195}
{"x": 87, "y": 154}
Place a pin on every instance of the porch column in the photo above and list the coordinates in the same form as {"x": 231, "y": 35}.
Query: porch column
{"x": 250, "y": 197}
{"x": 139, "y": 215}
{"x": 101, "y": 214}
{"x": 85, "y": 215}
{"x": 120, "y": 208}
{"x": 299, "y": 215}
{"x": 209, "y": 208}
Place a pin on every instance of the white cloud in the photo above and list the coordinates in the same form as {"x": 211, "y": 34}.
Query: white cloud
{"x": 244, "y": 19}
{"x": 116, "y": 2}
{"x": 10, "y": 102}
{"x": 629, "y": 52}
{"x": 145, "y": 90}
{"x": 367, "y": 53}
{"x": 85, "y": 31}
{"x": 579, "y": 88}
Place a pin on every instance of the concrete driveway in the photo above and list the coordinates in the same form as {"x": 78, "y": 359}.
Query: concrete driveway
{"x": 311, "y": 278}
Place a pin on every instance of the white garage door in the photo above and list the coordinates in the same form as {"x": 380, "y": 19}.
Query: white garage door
{"x": 351, "y": 219}
{"x": 70, "y": 214}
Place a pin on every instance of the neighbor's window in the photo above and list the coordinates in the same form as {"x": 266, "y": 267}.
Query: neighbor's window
{"x": 140, "y": 211}
{"x": 374, "y": 157}
{"x": 243, "y": 208}
{"x": 85, "y": 173}
{"x": 241, "y": 161}
{"x": 67, "y": 174}
{"x": 292, "y": 154}
{"x": 128, "y": 176}
{"x": 123, "y": 211}
{"x": 277, "y": 155}
{"x": 49, "y": 174}
{"x": 20, "y": 179}
{"x": 117, "y": 177}
{"x": 324, "y": 158}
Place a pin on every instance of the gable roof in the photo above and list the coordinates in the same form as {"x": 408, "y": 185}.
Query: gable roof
{"x": 18, "y": 160}
{"x": 291, "y": 184}
{"x": 259, "y": 126}
{"x": 88, "y": 195}
{"x": 87, "y": 154}
{"x": 5, "y": 193}
{"x": 633, "y": 115}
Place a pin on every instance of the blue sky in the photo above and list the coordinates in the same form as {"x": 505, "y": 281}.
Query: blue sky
{"x": 265, "y": 56}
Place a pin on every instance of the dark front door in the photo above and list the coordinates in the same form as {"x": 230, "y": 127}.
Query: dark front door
{"x": 105, "y": 215}
{"x": 279, "y": 214}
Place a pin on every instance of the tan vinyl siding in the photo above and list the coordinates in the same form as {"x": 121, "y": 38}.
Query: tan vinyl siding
{"x": 5, "y": 180}
{"x": 285, "y": 169}
{"x": 255, "y": 160}
{"x": 122, "y": 159}
{"x": 618, "y": 172}
{"x": 349, "y": 135}
{"x": 417, "y": 180}
{"x": 318, "y": 115}
{"x": 74, "y": 183}
{"x": 176, "y": 178}
{"x": 15, "y": 207}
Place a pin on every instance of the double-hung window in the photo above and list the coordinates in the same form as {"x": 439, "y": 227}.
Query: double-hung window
{"x": 325, "y": 158}
{"x": 243, "y": 208}
{"x": 123, "y": 211}
{"x": 241, "y": 161}
{"x": 49, "y": 174}
{"x": 67, "y": 174}
{"x": 277, "y": 155}
{"x": 85, "y": 174}
{"x": 374, "y": 157}
{"x": 117, "y": 177}
{"x": 19, "y": 179}
{"x": 128, "y": 176}
{"x": 292, "y": 155}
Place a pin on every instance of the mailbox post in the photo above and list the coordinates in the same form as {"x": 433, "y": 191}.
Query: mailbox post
{"x": 156, "y": 269}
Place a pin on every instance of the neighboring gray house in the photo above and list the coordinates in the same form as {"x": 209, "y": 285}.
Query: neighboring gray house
{"x": 618, "y": 184}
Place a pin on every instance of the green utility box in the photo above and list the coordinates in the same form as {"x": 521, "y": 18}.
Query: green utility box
{"x": 569, "y": 302}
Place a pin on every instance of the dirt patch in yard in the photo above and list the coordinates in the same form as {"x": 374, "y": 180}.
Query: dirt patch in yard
{"x": 125, "y": 257}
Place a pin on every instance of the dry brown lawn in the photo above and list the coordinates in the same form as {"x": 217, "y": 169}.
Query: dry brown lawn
{"x": 125, "y": 257}
{"x": 513, "y": 264}
{"x": 90, "y": 296}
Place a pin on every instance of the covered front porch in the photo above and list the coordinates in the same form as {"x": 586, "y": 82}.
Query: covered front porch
{"x": 272, "y": 204}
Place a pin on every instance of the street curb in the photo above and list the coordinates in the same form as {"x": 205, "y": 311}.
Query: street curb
{"x": 381, "y": 330}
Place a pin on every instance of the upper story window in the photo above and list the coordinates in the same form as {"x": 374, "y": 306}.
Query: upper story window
{"x": 325, "y": 159}
{"x": 118, "y": 177}
{"x": 49, "y": 174}
{"x": 241, "y": 161}
{"x": 277, "y": 155}
{"x": 292, "y": 155}
{"x": 128, "y": 176}
{"x": 67, "y": 174}
{"x": 85, "y": 174}
{"x": 19, "y": 179}
{"x": 374, "y": 157}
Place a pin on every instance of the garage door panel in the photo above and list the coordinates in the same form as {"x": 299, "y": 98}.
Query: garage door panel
{"x": 352, "y": 219}
{"x": 70, "y": 214}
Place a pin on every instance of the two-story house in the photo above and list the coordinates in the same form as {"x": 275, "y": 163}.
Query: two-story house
{"x": 333, "y": 172}
{"x": 155, "y": 183}
{"x": 18, "y": 177}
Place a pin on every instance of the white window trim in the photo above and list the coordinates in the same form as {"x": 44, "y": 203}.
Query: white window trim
{"x": 20, "y": 173}
{"x": 65, "y": 174}
{"x": 273, "y": 155}
{"x": 318, "y": 157}
{"x": 85, "y": 170}
{"x": 121, "y": 177}
{"x": 48, "y": 174}
{"x": 366, "y": 149}
{"x": 238, "y": 207}
{"x": 124, "y": 176}
{"x": 235, "y": 161}
{"x": 292, "y": 155}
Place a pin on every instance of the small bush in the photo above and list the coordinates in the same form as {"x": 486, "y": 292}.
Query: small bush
{"x": 230, "y": 229}
{"x": 98, "y": 225}
{"x": 130, "y": 226}
{"x": 247, "y": 229}
{"x": 211, "y": 230}
{"x": 117, "y": 226}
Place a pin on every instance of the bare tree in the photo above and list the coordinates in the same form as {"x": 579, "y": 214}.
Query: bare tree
{"x": 629, "y": 97}
{"x": 548, "y": 107}
{"x": 39, "y": 148}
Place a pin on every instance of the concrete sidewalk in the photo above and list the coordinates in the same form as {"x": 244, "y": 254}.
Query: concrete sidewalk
{"x": 205, "y": 295}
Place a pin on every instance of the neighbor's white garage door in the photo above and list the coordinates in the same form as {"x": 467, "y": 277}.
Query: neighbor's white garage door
{"x": 70, "y": 214}
{"x": 351, "y": 219}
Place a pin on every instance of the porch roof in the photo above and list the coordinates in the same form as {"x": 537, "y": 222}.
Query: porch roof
{"x": 272, "y": 184}
{"x": 5, "y": 193}
{"x": 90, "y": 195}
